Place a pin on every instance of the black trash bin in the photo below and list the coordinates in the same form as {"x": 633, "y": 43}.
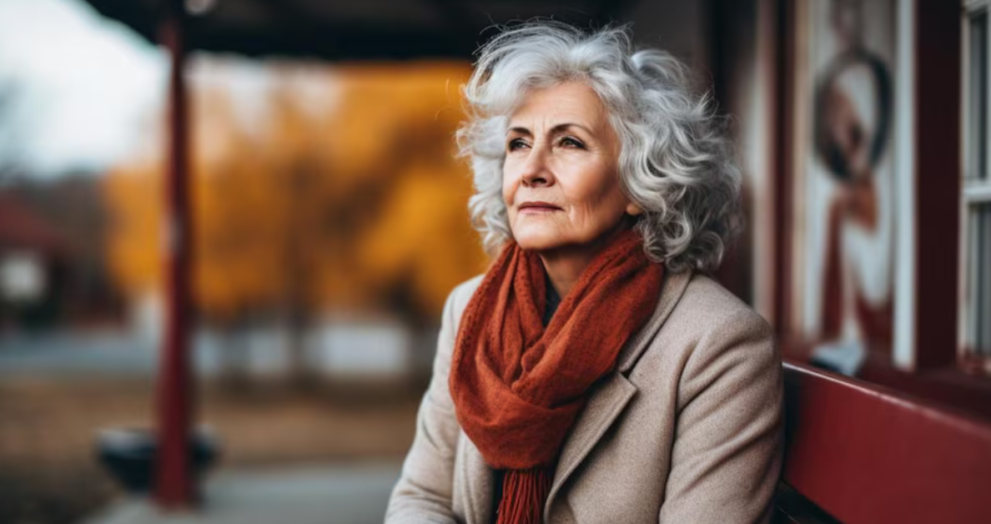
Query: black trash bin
{"x": 129, "y": 455}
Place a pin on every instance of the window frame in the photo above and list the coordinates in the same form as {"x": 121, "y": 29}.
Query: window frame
{"x": 975, "y": 187}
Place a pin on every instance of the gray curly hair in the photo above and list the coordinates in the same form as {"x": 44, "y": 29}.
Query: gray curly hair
{"x": 675, "y": 163}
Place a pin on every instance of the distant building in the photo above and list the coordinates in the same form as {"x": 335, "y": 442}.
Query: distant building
{"x": 33, "y": 265}
{"x": 52, "y": 270}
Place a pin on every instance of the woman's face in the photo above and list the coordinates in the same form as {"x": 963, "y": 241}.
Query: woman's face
{"x": 560, "y": 180}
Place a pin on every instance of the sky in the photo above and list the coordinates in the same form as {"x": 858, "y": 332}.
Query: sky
{"x": 85, "y": 85}
{"x": 89, "y": 90}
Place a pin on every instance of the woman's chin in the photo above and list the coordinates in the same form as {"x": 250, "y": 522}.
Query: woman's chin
{"x": 539, "y": 243}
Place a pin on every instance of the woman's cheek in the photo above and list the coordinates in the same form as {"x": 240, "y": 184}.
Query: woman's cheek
{"x": 508, "y": 192}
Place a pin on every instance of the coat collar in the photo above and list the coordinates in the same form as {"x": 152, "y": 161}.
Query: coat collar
{"x": 604, "y": 405}
{"x": 674, "y": 288}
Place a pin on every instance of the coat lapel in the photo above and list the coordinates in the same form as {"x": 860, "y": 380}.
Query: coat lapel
{"x": 478, "y": 484}
{"x": 609, "y": 399}
{"x": 674, "y": 287}
{"x": 601, "y": 410}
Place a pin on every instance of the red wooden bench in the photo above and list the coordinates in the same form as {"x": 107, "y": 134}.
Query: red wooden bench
{"x": 863, "y": 454}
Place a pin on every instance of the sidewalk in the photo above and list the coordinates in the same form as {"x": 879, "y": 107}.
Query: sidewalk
{"x": 350, "y": 494}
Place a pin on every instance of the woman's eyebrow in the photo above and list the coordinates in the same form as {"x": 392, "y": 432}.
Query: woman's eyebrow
{"x": 562, "y": 127}
{"x": 554, "y": 130}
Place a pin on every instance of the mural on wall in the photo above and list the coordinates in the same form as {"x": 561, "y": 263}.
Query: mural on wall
{"x": 844, "y": 212}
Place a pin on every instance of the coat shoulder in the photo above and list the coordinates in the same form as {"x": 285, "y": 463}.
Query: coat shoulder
{"x": 708, "y": 321}
{"x": 463, "y": 292}
{"x": 458, "y": 299}
{"x": 707, "y": 301}
{"x": 709, "y": 331}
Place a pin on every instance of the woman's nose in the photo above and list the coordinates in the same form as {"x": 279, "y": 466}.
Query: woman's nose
{"x": 535, "y": 171}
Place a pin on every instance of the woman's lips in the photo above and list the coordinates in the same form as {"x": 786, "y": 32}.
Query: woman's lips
{"x": 537, "y": 207}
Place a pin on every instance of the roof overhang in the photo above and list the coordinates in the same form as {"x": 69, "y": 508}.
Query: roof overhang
{"x": 351, "y": 29}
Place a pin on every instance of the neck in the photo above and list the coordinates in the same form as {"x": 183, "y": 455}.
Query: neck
{"x": 565, "y": 265}
{"x": 563, "y": 268}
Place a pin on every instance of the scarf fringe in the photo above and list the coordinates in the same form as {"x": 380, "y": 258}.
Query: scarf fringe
{"x": 524, "y": 493}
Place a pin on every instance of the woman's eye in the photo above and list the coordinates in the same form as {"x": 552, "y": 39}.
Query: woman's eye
{"x": 571, "y": 142}
{"x": 516, "y": 143}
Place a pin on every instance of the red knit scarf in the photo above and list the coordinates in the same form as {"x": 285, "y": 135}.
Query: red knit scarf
{"x": 518, "y": 387}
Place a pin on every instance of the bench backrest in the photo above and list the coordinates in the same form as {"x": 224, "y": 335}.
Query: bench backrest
{"x": 867, "y": 454}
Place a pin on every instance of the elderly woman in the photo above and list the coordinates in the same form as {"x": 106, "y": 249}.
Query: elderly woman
{"x": 594, "y": 374}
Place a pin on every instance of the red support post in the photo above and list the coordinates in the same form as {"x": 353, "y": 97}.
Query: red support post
{"x": 174, "y": 483}
{"x": 937, "y": 181}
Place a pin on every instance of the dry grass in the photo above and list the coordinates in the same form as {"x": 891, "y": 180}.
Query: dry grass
{"x": 48, "y": 469}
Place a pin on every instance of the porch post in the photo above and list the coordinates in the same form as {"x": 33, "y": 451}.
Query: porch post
{"x": 174, "y": 481}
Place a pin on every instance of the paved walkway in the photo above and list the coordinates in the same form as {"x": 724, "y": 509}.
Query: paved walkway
{"x": 329, "y": 495}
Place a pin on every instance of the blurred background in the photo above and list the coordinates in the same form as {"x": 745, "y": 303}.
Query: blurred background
{"x": 328, "y": 218}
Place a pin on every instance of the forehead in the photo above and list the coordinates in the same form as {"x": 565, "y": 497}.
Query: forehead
{"x": 570, "y": 101}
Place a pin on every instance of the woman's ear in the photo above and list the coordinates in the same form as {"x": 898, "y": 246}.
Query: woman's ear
{"x": 633, "y": 209}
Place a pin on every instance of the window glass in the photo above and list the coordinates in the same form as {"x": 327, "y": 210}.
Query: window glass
{"x": 977, "y": 163}
{"x": 980, "y": 258}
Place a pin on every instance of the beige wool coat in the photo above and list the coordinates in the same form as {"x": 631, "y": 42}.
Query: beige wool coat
{"x": 688, "y": 429}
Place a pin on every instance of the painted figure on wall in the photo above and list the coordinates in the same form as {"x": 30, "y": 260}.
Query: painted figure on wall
{"x": 849, "y": 221}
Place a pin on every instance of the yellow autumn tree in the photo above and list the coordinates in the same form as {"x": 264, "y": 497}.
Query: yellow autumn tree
{"x": 355, "y": 204}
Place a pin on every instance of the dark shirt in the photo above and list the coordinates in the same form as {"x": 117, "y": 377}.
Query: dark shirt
{"x": 553, "y": 301}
